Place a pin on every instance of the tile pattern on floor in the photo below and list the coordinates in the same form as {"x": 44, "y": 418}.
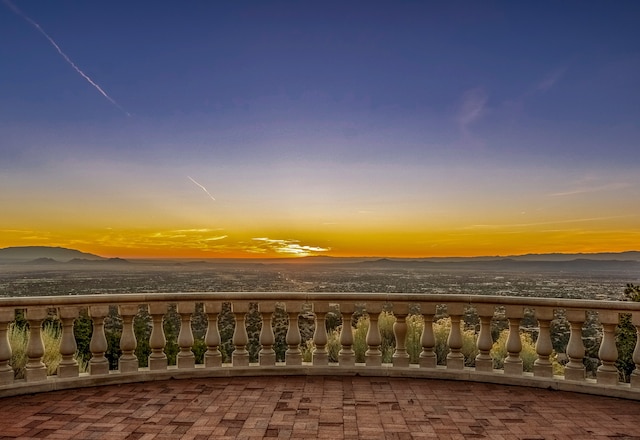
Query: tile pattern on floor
{"x": 316, "y": 407}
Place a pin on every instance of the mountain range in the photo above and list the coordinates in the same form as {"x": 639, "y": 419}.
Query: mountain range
{"x": 45, "y": 254}
{"x": 54, "y": 255}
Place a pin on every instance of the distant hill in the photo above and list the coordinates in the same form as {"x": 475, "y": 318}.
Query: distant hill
{"x": 43, "y": 261}
{"x": 553, "y": 257}
{"x": 509, "y": 264}
{"x": 602, "y": 256}
{"x": 102, "y": 261}
{"x": 44, "y": 254}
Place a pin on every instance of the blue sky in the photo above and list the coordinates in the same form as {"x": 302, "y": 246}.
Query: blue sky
{"x": 331, "y": 108}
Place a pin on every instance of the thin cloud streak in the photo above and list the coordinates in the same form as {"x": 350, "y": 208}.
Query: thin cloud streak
{"x": 586, "y": 190}
{"x": 203, "y": 188}
{"x": 551, "y": 79}
{"x": 15, "y": 9}
{"x": 472, "y": 107}
{"x": 551, "y": 222}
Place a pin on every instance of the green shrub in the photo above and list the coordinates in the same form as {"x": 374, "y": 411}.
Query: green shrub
{"x": 442, "y": 329}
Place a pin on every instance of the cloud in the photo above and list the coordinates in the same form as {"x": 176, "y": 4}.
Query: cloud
{"x": 196, "y": 239}
{"x": 472, "y": 107}
{"x": 550, "y": 80}
{"x": 263, "y": 245}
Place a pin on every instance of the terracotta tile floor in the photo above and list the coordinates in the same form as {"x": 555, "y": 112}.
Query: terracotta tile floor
{"x": 316, "y": 407}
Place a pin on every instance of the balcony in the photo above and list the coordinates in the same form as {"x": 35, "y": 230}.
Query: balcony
{"x": 303, "y": 388}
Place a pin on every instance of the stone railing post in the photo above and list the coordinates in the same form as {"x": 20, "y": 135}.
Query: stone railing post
{"x": 608, "y": 353}
{"x": 35, "y": 369}
{"x": 293, "y": 355}
{"x": 267, "y": 355}
{"x": 428, "y": 357}
{"x": 320, "y": 355}
{"x": 128, "y": 361}
{"x": 373, "y": 355}
{"x": 513, "y": 363}
{"x": 7, "y": 316}
{"x": 212, "y": 357}
{"x": 186, "y": 358}
{"x": 68, "y": 366}
{"x": 455, "y": 358}
{"x": 484, "y": 360}
{"x": 98, "y": 364}
{"x": 575, "y": 370}
{"x": 240, "y": 355}
{"x": 346, "y": 355}
{"x": 400, "y": 356}
{"x": 542, "y": 366}
{"x": 157, "y": 340}
{"x": 635, "y": 375}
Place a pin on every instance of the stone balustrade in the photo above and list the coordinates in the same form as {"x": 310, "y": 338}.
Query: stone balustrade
{"x": 467, "y": 313}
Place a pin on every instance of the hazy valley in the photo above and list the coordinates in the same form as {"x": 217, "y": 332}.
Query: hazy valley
{"x": 579, "y": 278}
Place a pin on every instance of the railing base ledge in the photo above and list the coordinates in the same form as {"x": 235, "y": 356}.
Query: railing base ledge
{"x": 587, "y": 386}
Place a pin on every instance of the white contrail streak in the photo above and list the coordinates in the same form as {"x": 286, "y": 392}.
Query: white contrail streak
{"x": 203, "y": 188}
{"x": 15, "y": 9}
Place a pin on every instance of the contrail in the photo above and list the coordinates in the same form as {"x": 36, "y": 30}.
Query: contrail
{"x": 203, "y": 188}
{"x": 15, "y": 9}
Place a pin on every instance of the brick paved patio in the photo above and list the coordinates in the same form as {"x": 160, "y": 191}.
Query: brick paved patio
{"x": 316, "y": 407}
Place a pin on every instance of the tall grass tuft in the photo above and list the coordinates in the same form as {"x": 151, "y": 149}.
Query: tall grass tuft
{"x": 415, "y": 326}
{"x": 19, "y": 339}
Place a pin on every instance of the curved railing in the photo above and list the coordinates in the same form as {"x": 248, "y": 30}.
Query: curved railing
{"x": 472, "y": 314}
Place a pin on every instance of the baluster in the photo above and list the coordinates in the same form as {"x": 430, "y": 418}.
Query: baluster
{"x": 428, "y": 357}
{"x": 293, "y": 355}
{"x": 542, "y": 366}
{"x": 455, "y": 358}
{"x": 400, "y": 356}
{"x": 484, "y": 360}
{"x": 186, "y": 358}
{"x": 608, "y": 353}
{"x": 240, "y": 355}
{"x": 320, "y": 354}
{"x": 346, "y": 355}
{"x": 68, "y": 366}
{"x": 212, "y": 357}
{"x": 128, "y": 361}
{"x": 513, "y": 363}
{"x": 373, "y": 355}
{"x": 635, "y": 375}
{"x": 98, "y": 364}
{"x": 157, "y": 341}
{"x": 575, "y": 370}
{"x": 267, "y": 355}
{"x": 35, "y": 369}
{"x": 7, "y": 316}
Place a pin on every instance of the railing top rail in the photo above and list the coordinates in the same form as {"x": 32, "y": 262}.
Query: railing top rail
{"x": 310, "y": 297}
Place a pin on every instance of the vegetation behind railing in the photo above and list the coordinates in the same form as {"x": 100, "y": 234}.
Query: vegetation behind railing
{"x": 550, "y": 338}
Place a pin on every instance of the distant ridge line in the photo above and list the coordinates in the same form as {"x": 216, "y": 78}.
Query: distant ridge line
{"x": 24, "y": 254}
